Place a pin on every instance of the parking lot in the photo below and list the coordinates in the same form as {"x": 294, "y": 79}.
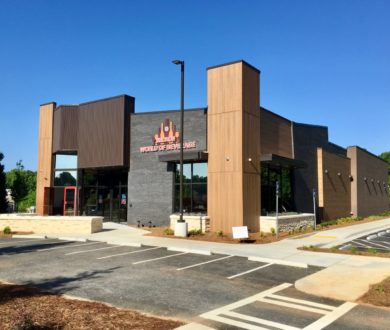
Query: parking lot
{"x": 222, "y": 291}
{"x": 374, "y": 242}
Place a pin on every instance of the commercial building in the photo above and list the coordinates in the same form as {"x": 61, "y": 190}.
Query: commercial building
{"x": 103, "y": 158}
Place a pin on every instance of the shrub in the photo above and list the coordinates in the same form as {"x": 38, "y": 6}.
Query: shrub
{"x": 168, "y": 231}
{"x": 353, "y": 250}
{"x": 7, "y": 230}
{"x": 262, "y": 234}
{"x": 273, "y": 231}
{"x": 371, "y": 250}
{"x": 220, "y": 233}
{"x": 195, "y": 232}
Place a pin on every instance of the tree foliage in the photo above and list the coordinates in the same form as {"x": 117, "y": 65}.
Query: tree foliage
{"x": 386, "y": 156}
{"x": 22, "y": 184}
{"x": 3, "y": 194}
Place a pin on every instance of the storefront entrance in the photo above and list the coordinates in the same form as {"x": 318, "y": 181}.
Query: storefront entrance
{"x": 70, "y": 201}
{"x": 104, "y": 193}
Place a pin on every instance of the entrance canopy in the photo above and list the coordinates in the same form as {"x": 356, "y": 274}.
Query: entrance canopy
{"x": 187, "y": 156}
{"x": 279, "y": 161}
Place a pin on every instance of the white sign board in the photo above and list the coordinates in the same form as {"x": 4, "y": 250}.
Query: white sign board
{"x": 240, "y": 232}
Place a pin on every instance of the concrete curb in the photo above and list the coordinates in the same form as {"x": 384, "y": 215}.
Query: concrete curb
{"x": 75, "y": 239}
{"x": 30, "y": 236}
{"x": 193, "y": 326}
{"x": 133, "y": 244}
{"x": 279, "y": 262}
{"x": 179, "y": 249}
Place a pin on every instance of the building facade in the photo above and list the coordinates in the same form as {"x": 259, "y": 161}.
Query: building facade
{"x": 103, "y": 158}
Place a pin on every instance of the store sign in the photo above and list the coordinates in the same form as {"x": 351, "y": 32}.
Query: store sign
{"x": 167, "y": 139}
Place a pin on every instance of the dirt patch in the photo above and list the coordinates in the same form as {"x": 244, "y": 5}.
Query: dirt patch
{"x": 378, "y": 294}
{"x": 337, "y": 251}
{"x": 20, "y": 305}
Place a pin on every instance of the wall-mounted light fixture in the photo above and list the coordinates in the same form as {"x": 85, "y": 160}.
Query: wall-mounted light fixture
{"x": 326, "y": 171}
{"x": 227, "y": 158}
{"x": 365, "y": 179}
{"x": 338, "y": 173}
{"x": 350, "y": 178}
{"x": 372, "y": 180}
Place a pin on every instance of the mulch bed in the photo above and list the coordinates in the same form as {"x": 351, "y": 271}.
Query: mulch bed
{"x": 254, "y": 238}
{"x": 24, "y": 306}
{"x": 378, "y": 294}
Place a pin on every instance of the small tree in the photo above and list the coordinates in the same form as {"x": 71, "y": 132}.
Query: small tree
{"x": 22, "y": 184}
{"x": 386, "y": 156}
{"x": 3, "y": 194}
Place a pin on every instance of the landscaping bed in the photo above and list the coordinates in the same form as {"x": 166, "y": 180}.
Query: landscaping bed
{"x": 23, "y": 307}
{"x": 378, "y": 294}
{"x": 219, "y": 237}
{"x": 264, "y": 238}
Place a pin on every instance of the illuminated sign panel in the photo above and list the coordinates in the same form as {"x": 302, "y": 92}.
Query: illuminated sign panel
{"x": 167, "y": 139}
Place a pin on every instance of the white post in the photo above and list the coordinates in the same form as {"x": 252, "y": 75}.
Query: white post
{"x": 277, "y": 209}
{"x": 314, "y": 209}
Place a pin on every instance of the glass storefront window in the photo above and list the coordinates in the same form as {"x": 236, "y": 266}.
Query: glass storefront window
{"x": 66, "y": 161}
{"x": 65, "y": 178}
{"x": 194, "y": 188}
{"x": 269, "y": 176}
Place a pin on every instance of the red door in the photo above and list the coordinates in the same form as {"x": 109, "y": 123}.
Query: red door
{"x": 70, "y": 200}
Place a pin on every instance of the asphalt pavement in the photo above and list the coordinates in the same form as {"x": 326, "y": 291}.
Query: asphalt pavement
{"x": 220, "y": 290}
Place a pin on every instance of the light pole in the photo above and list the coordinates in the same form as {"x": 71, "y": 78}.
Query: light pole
{"x": 181, "y": 63}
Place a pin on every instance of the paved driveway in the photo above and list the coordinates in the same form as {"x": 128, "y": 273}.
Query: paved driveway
{"x": 379, "y": 241}
{"x": 222, "y": 291}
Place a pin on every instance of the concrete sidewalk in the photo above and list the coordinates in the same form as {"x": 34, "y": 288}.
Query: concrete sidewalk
{"x": 345, "y": 277}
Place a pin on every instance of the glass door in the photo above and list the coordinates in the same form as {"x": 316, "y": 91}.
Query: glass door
{"x": 70, "y": 201}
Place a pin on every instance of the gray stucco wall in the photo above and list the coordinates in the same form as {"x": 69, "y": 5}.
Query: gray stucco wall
{"x": 150, "y": 182}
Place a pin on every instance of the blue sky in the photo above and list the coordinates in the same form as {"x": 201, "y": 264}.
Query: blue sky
{"x": 322, "y": 62}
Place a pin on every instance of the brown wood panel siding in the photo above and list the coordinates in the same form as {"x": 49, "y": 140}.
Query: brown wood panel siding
{"x": 334, "y": 190}
{"x": 369, "y": 185}
{"x": 102, "y": 133}
{"x": 233, "y": 123}
{"x": 275, "y": 135}
{"x": 66, "y": 125}
{"x": 45, "y": 164}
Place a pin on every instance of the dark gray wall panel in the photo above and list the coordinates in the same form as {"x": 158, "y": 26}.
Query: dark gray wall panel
{"x": 306, "y": 140}
{"x": 150, "y": 181}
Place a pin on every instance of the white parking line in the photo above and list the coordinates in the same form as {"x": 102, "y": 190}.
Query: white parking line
{"x": 203, "y": 263}
{"x": 248, "y": 271}
{"x": 331, "y": 313}
{"x": 131, "y": 252}
{"x": 68, "y": 246}
{"x": 154, "y": 259}
{"x": 259, "y": 321}
{"x": 364, "y": 245}
{"x": 86, "y": 251}
{"x": 376, "y": 244}
{"x": 31, "y": 240}
{"x": 331, "y": 317}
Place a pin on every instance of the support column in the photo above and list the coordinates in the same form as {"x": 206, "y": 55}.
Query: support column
{"x": 233, "y": 131}
{"x": 45, "y": 159}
